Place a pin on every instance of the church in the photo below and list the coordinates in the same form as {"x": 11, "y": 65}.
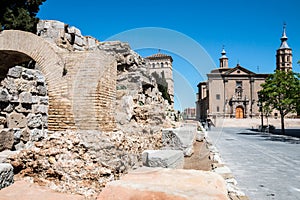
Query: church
{"x": 232, "y": 92}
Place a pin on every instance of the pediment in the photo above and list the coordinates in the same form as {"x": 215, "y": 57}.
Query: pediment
{"x": 239, "y": 70}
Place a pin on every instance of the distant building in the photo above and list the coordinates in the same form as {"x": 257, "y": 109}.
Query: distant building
{"x": 162, "y": 65}
{"x": 232, "y": 92}
{"x": 189, "y": 114}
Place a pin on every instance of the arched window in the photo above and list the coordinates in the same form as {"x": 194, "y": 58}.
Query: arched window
{"x": 153, "y": 65}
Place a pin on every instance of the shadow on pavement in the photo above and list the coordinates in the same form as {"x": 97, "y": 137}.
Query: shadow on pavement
{"x": 291, "y": 136}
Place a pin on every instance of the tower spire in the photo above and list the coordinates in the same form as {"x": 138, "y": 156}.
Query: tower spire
{"x": 223, "y": 59}
{"x": 284, "y": 53}
{"x": 284, "y": 38}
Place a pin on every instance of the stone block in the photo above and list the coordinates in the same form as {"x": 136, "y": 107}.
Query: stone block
{"x": 39, "y": 78}
{"x": 16, "y": 120}
{"x": 34, "y": 121}
{"x": 28, "y": 74}
{"x": 168, "y": 184}
{"x": 24, "y": 108}
{"x": 57, "y": 25}
{"x": 2, "y": 120}
{"x": 44, "y": 100}
{"x": 25, "y": 97}
{"x": 91, "y": 42}
{"x": 15, "y": 72}
{"x": 6, "y": 139}
{"x": 37, "y": 134}
{"x": 26, "y": 86}
{"x": 43, "y": 109}
{"x": 79, "y": 41}
{"x": 35, "y": 99}
{"x": 4, "y": 95}
{"x": 181, "y": 138}
{"x": 6, "y": 175}
{"x": 163, "y": 158}
{"x": 14, "y": 97}
{"x": 45, "y": 121}
{"x": 9, "y": 108}
{"x": 42, "y": 90}
{"x": 25, "y": 135}
{"x": 77, "y": 48}
{"x": 17, "y": 135}
{"x": 74, "y": 30}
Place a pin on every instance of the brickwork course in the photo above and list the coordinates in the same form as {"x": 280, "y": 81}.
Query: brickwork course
{"x": 79, "y": 83}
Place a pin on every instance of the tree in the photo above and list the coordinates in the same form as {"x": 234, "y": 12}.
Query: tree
{"x": 19, "y": 14}
{"x": 281, "y": 91}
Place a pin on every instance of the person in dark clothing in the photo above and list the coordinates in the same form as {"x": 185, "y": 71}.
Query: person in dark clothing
{"x": 208, "y": 124}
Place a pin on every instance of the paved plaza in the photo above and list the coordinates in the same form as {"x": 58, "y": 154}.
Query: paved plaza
{"x": 266, "y": 166}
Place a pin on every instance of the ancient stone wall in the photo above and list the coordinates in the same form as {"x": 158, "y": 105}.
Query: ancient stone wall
{"x": 23, "y": 108}
{"x": 75, "y": 78}
{"x": 103, "y": 92}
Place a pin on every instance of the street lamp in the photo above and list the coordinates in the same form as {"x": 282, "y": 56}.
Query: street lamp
{"x": 260, "y": 106}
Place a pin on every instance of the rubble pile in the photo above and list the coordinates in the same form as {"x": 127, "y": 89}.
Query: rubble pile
{"x": 140, "y": 106}
{"x": 82, "y": 162}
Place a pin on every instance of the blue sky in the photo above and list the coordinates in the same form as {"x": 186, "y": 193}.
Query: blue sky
{"x": 250, "y": 31}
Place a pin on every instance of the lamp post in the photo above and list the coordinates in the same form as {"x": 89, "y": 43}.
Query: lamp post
{"x": 260, "y": 105}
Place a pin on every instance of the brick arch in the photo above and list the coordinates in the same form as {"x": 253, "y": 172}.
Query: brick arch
{"x": 51, "y": 65}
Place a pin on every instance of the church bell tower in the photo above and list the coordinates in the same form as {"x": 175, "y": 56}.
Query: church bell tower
{"x": 223, "y": 59}
{"x": 284, "y": 54}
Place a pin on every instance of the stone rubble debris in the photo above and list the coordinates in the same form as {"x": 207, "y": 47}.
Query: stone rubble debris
{"x": 82, "y": 162}
{"x": 6, "y": 175}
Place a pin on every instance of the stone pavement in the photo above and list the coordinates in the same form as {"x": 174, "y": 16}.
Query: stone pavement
{"x": 265, "y": 166}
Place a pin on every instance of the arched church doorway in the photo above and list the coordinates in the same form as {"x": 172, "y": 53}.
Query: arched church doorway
{"x": 239, "y": 112}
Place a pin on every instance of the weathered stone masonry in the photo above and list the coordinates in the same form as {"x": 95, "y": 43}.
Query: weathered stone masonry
{"x": 75, "y": 80}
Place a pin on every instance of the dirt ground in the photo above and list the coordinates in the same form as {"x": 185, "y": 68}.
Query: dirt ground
{"x": 199, "y": 159}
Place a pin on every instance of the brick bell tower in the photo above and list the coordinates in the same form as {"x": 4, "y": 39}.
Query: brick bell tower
{"x": 284, "y": 54}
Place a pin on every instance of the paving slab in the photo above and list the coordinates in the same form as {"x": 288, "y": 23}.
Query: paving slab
{"x": 167, "y": 184}
{"x": 23, "y": 190}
